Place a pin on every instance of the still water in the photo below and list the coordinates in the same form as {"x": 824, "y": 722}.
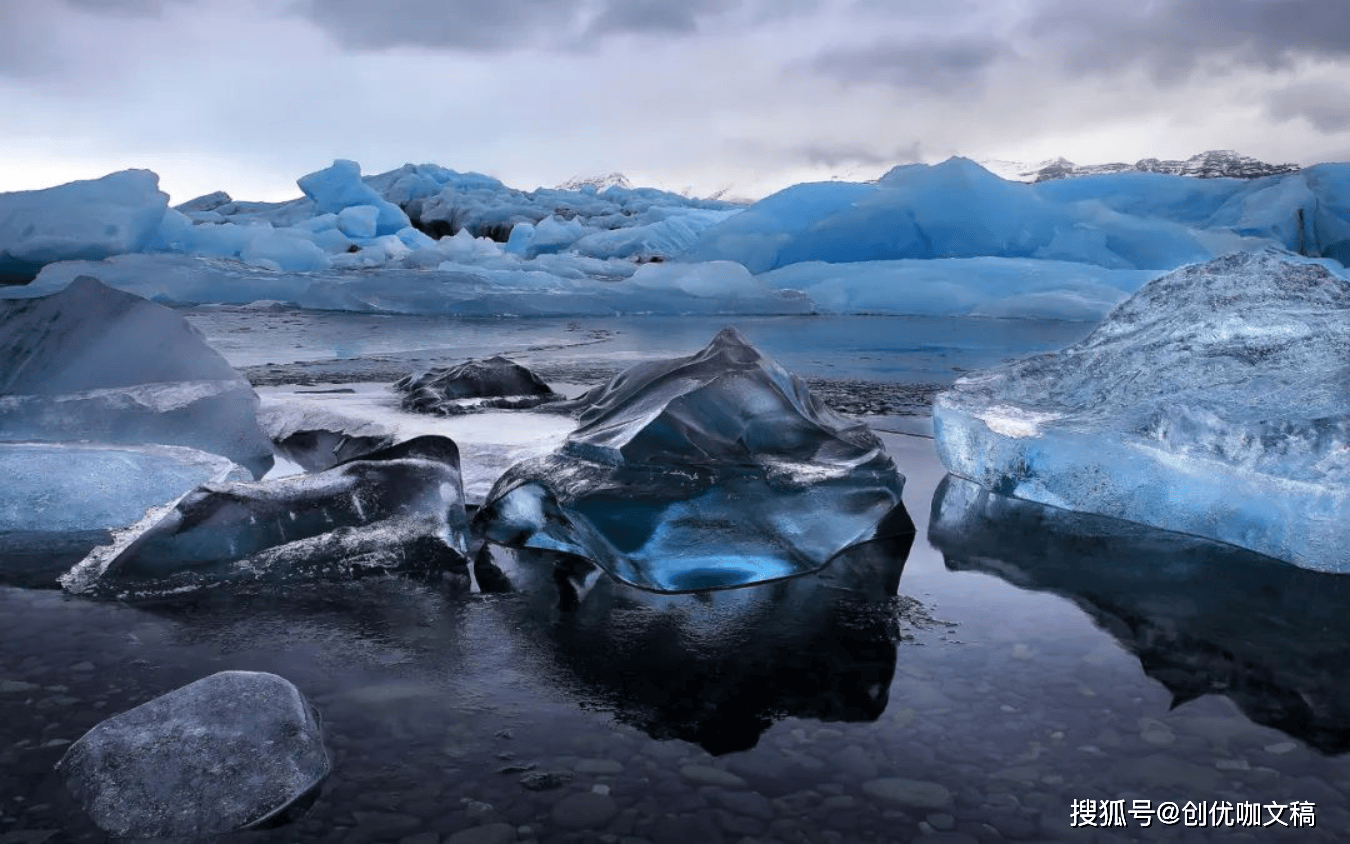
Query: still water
{"x": 1014, "y": 673}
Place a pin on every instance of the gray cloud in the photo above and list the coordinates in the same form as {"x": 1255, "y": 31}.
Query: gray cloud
{"x": 477, "y": 25}
{"x": 1171, "y": 38}
{"x": 648, "y": 16}
{"x": 828, "y": 154}
{"x": 942, "y": 65}
{"x": 1325, "y": 104}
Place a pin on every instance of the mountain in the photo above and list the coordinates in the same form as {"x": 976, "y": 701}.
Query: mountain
{"x": 597, "y": 183}
{"x": 1214, "y": 164}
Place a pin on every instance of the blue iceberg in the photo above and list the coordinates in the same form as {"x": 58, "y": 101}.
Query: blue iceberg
{"x": 710, "y": 471}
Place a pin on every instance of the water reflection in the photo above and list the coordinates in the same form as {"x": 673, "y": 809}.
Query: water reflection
{"x": 715, "y": 668}
{"x": 1202, "y": 617}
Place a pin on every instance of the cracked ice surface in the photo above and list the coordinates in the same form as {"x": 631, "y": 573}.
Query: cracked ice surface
{"x": 1214, "y": 402}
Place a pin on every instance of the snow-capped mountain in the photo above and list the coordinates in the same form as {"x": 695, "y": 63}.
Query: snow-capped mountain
{"x": 598, "y": 183}
{"x": 1214, "y": 164}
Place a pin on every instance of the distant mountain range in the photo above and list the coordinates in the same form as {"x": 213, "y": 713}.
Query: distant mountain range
{"x": 1214, "y": 164}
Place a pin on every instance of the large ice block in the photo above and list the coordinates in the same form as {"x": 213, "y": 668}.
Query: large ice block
{"x": 1213, "y": 402}
{"x": 715, "y": 470}
{"x": 88, "y": 219}
{"x": 93, "y": 363}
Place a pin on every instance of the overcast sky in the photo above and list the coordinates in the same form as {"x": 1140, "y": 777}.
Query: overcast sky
{"x": 248, "y": 95}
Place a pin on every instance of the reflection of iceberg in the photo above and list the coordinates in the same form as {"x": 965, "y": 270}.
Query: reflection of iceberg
{"x": 715, "y": 470}
{"x": 717, "y": 668}
{"x": 1201, "y": 616}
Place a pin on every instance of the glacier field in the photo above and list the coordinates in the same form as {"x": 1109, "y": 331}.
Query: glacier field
{"x": 943, "y": 239}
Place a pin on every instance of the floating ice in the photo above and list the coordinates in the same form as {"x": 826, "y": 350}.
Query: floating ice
{"x": 714, "y": 470}
{"x": 89, "y": 219}
{"x": 396, "y": 509}
{"x": 1213, "y": 402}
{"x": 1202, "y": 617}
{"x": 495, "y": 382}
{"x": 60, "y": 500}
{"x": 93, "y": 363}
{"x": 233, "y": 751}
{"x": 339, "y": 187}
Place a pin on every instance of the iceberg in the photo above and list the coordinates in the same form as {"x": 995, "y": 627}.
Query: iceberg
{"x": 1212, "y": 402}
{"x": 1202, "y": 617}
{"x": 61, "y": 500}
{"x": 710, "y": 471}
{"x": 398, "y": 509}
{"x": 89, "y": 219}
{"x": 339, "y": 187}
{"x": 93, "y": 363}
{"x": 495, "y": 382}
{"x": 233, "y": 751}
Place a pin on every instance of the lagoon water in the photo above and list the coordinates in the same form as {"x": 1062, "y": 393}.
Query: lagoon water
{"x": 1016, "y": 673}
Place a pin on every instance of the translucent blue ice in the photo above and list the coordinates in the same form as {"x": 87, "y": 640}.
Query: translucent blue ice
{"x": 1213, "y": 402}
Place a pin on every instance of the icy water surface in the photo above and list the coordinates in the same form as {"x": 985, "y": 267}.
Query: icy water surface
{"x": 976, "y": 686}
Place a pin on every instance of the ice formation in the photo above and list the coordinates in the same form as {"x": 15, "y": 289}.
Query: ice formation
{"x": 714, "y": 470}
{"x": 949, "y": 239}
{"x": 1203, "y": 617}
{"x": 1212, "y": 402}
{"x": 235, "y": 750}
{"x": 60, "y": 500}
{"x": 91, "y": 219}
{"x": 495, "y": 382}
{"x": 397, "y": 509}
{"x": 93, "y": 363}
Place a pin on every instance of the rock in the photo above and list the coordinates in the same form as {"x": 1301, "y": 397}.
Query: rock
{"x": 236, "y": 750}
{"x": 584, "y": 810}
{"x": 909, "y": 794}
{"x": 495, "y": 382}
{"x": 490, "y": 833}
{"x": 708, "y": 775}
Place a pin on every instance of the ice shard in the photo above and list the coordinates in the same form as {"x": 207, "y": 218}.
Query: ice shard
{"x": 715, "y": 470}
{"x": 399, "y": 509}
{"x": 1214, "y": 402}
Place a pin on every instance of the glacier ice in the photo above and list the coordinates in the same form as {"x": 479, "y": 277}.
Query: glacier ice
{"x": 89, "y": 219}
{"x": 494, "y": 382}
{"x": 397, "y": 509}
{"x": 60, "y": 500}
{"x": 339, "y": 187}
{"x": 94, "y": 363}
{"x": 1202, "y": 617}
{"x": 1213, "y": 402}
{"x": 714, "y": 470}
{"x": 235, "y": 750}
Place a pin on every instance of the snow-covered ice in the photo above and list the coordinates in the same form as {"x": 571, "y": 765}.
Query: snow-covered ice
{"x": 714, "y": 470}
{"x": 235, "y": 750}
{"x": 1213, "y": 402}
{"x": 94, "y": 363}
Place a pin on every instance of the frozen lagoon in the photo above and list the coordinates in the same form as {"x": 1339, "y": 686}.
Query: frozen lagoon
{"x": 1014, "y": 690}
